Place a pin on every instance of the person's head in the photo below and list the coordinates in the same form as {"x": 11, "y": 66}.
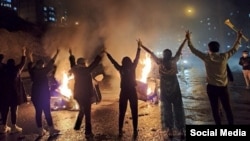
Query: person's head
{"x": 245, "y": 53}
{"x": 126, "y": 61}
{"x": 213, "y": 46}
{"x": 81, "y": 61}
{"x": 40, "y": 63}
{"x": 1, "y": 57}
{"x": 11, "y": 62}
{"x": 167, "y": 54}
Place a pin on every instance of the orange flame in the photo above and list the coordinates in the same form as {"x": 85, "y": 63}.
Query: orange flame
{"x": 146, "y": 68}
{"x": 147, "y": 65}
{"x": 64, "y": 87}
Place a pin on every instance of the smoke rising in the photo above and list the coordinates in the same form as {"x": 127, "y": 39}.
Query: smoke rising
{"x": 116, "y": 25}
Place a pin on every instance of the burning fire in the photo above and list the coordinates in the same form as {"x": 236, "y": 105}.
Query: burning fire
{"x": 146, "y": 68}
{"x": 64, "y": 87}
{"x": 66, "y": 92}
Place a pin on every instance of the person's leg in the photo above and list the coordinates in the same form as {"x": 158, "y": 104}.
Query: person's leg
{"x": 212, "y": 92}
{"x": 47, "y": 113}
{"x": 133, "y": 101}
{"x": 80, "y": 116}
{"x": 166, "y": 107}
{"x": 4, "y": 114}
{"x": 13, "y": 110}
{"x": 225, "y": 102}
{"x": 87, "y": 112}
{"x": 38, "y": 114}
{"x": 14, "y": 127}
{"x": 122, "y": 110}
{"x": 245, "y": 74}
{"x": 179, "y": 113}
{"x": 248, "y": 79}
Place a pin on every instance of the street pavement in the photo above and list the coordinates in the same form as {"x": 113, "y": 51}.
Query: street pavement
{"x": 105, "y": 114}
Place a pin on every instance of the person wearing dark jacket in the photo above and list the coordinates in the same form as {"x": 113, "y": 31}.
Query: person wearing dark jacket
{"x": 128, "y": 89}
{"x": 40, "y": 93}
{"x": 13, "y": 93}
{"x": 245, "y": 63}
{"x": 83, "y": 90}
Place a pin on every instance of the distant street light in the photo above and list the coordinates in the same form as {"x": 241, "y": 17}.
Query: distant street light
{"x": 189, "y": 11}
{"x": 62, "y": 19}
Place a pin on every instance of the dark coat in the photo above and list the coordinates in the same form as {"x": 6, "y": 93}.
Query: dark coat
{"x": 14, "y": 92}
{"x": 40, "y": 91}
{"x": 83, "y": 87}
{"x": 245, "y": 63}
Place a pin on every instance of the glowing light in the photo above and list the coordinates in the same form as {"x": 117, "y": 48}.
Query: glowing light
{"x": 64, "y": 88}
{"x": 146, "y": 68}
{"x": 189, "y": 11}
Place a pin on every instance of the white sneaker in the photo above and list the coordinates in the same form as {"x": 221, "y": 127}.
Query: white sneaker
{"x": 16, "y": 129}
{"x": 4, "y": 129}
{"x": 42, "y": 131}
{"x": 53, "y": 131}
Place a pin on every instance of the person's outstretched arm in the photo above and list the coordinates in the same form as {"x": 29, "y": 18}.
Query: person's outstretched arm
{"x": 136, "y": 60}
{"x": 52, "y": 61}
{"x": 23, "y": 60}
{"x": 155, "y": 58}
{"x": 178, "y": 53}
{"x": 97, "y": 60}
{"x": 31, "y": 61}
{"x": 71, "y": 59}
{"x": 236, "y": 45}
{"x": 112, "y": 60}
{"x": 193, "y": 50}
{"x": 241, "y": 61}
{"x": 49, "y": 67}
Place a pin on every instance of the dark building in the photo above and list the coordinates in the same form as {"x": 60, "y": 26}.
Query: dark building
{"x": 12, "y": 4}
{"x": 41, "y": 12}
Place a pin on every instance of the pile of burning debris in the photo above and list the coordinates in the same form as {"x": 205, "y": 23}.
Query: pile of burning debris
{"x": 62, "y": 98}
{"x": 147, "y": 88}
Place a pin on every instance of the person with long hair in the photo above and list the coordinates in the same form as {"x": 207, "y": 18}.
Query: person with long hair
{"x": 40, "y": 92}
{"x": 172, "y": 111}
{"x": 128, "y": 89}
